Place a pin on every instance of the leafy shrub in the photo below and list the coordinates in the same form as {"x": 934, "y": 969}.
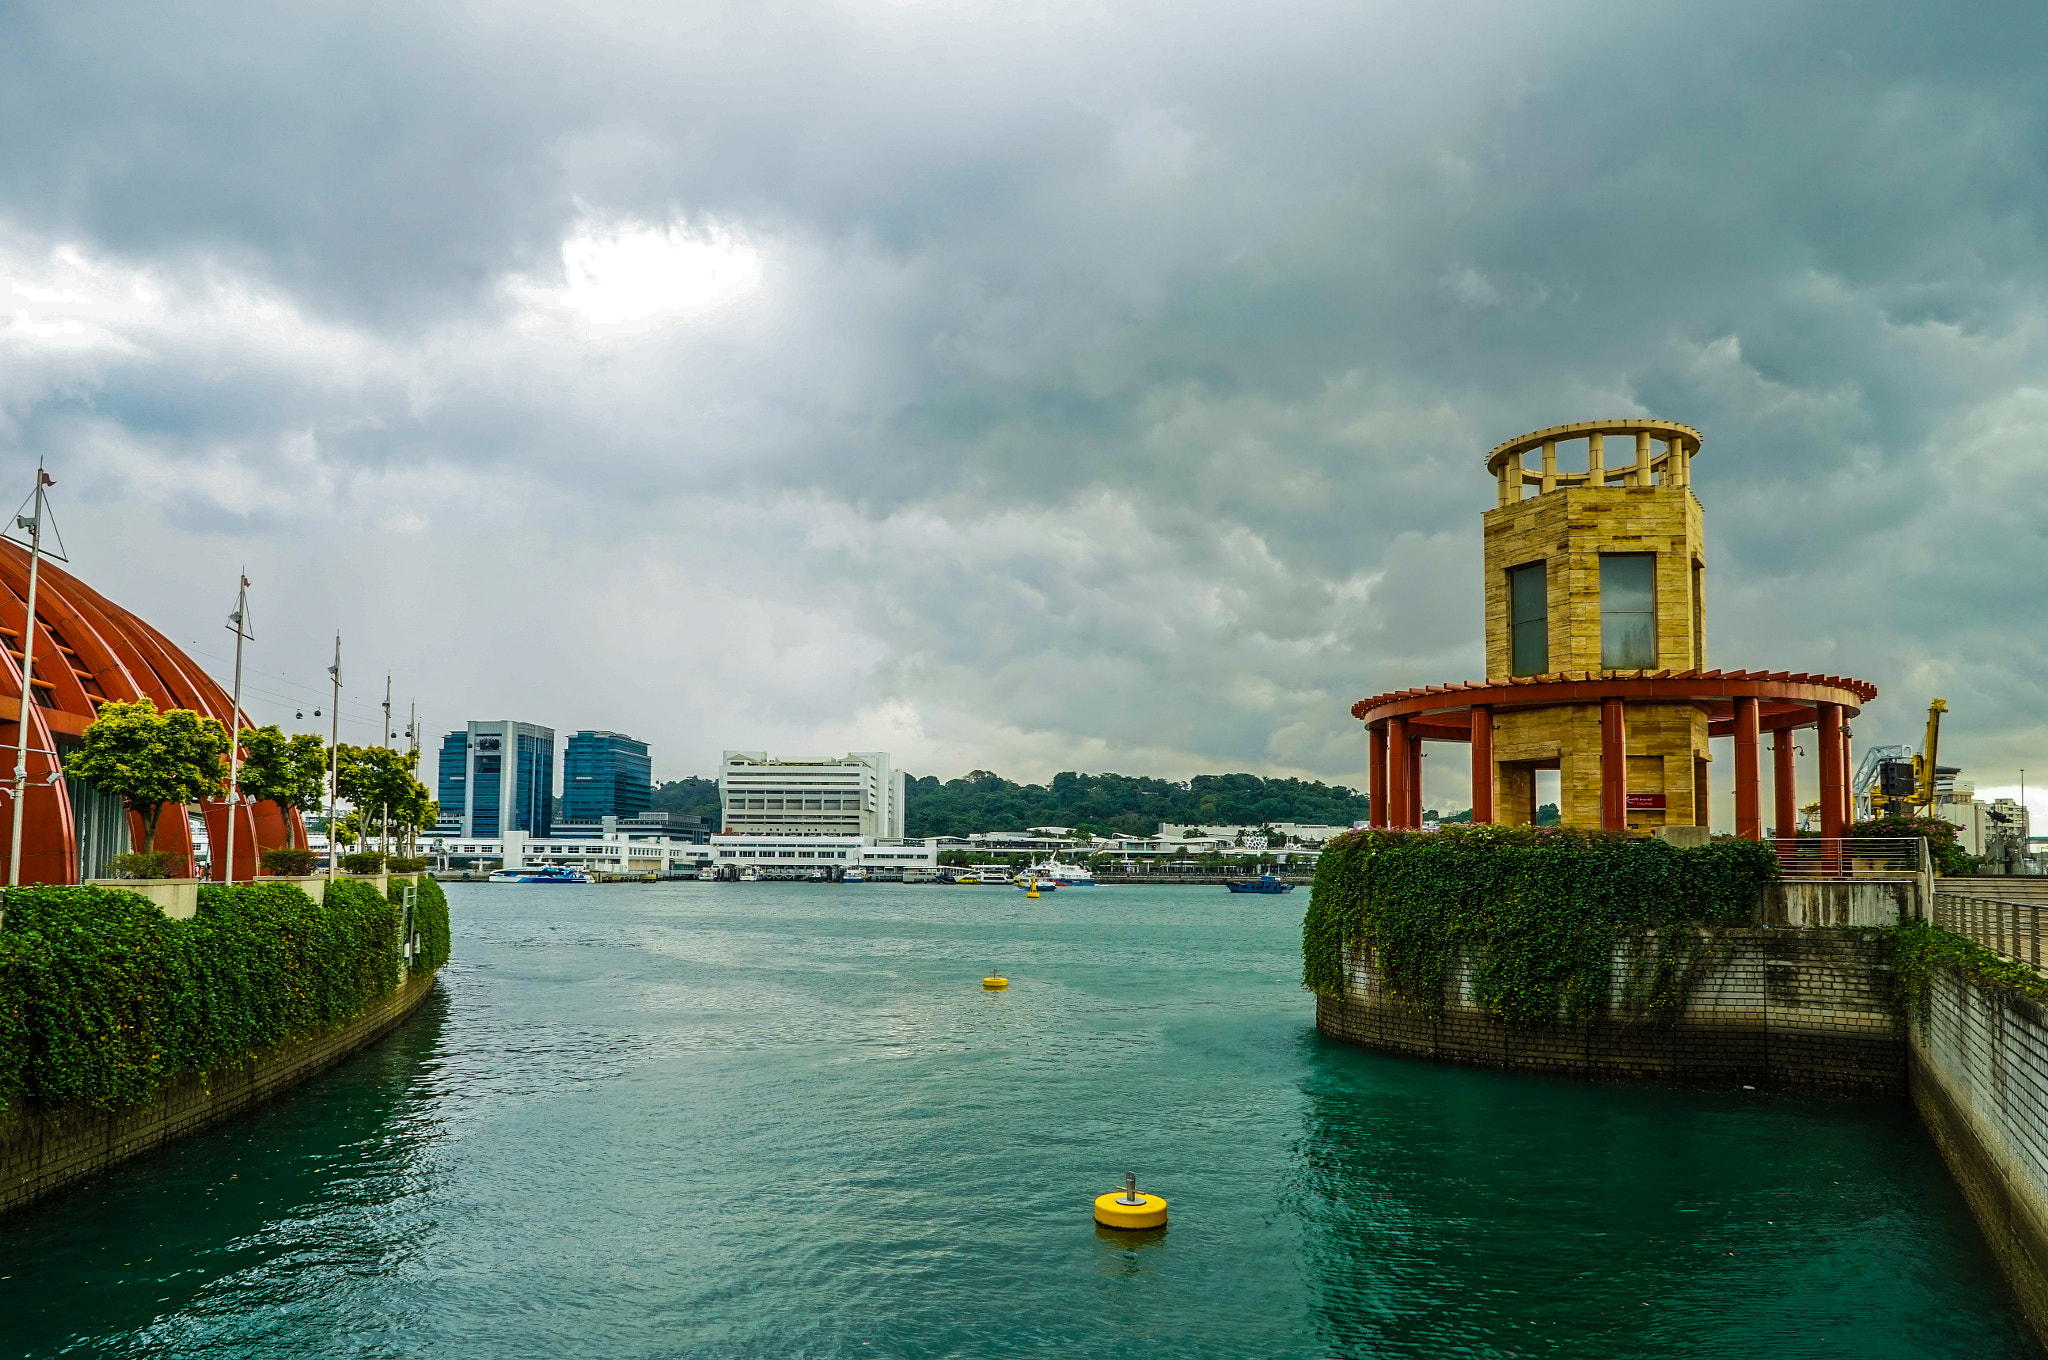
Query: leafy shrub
{"x": 289, "y": 863}
{"x": 362, "y": 862}
{"x": 103, "y": 999}
{"x": 407, "y": 864}
{"x": 1920, "y": 947}
{"x": 1535, "y": 912}
{"x": 150, "y": 864}
{"x": 1949, "y": 858}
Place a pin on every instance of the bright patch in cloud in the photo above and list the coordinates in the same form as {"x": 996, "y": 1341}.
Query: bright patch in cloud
{"x": 635, "y": 274}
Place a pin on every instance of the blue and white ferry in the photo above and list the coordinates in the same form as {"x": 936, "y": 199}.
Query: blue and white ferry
{"x": 542, "y": 873}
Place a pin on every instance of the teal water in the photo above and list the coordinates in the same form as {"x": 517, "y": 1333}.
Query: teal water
{"x": 784, "y": 1120}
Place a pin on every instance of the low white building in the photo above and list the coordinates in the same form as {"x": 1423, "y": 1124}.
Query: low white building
{"x": 822, "y": 852}
{"x": 607, "y": 848}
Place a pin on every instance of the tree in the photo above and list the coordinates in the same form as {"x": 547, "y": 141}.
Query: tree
{"x": 149, "y": 759}
{"x": 288, "y": 771}
{"x": 379, "y": 782}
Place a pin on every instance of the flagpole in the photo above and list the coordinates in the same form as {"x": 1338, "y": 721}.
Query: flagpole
{"x": 28, "y": 674}
{"x": 240, "y": 621}
{"x": 384, "y": 822}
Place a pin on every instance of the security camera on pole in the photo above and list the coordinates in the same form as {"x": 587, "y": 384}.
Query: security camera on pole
{"x": 333, "y": 755}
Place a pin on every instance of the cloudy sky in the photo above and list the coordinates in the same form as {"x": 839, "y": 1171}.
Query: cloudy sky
{"x": 1027, "y": 386}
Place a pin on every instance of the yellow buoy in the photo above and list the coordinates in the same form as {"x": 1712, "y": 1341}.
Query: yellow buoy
{"x": 1129, "y": 1209}
{"x": 1034, "y": 887}
{"x": 994, "y": 984}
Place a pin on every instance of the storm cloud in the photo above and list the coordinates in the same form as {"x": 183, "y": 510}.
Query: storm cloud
{"x": 1029, "y": 387}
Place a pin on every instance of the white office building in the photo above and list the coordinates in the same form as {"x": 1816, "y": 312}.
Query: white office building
{"x": 855, "y": 795}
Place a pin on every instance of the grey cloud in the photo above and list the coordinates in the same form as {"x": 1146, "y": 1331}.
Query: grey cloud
{"x": 1118, "y": 380}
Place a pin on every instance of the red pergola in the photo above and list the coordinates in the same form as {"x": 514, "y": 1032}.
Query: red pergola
{"x": 1741, "y": 704}
{"x": 90, "y": 650}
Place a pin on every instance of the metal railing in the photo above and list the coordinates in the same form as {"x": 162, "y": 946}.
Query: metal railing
{"x": 1850, "y": 857}
{"x": 2007, "y": 928}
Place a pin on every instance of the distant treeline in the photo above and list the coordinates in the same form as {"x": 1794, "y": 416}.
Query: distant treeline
{"x": 1097, "y": 803}
{"x": 1133, "y": 805}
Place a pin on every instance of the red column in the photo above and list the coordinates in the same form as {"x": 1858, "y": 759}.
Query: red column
{"x": 1397, "y": 772}
{"x": 1832, "y": 818}
{"x": 1415, "y": 781}
{"x": 1848, "y": 779}
{"x": 1482, "y": 763}
{"x": 1749, "y": 824}
{"x": 1833, "y": 821}
{"x": 1613, "y": 765}
{"x": 1376, "y": 777}
{"x": 1784, "y": 786}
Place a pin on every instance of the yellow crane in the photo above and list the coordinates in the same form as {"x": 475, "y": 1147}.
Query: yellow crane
{"x": 1925, "y": 767}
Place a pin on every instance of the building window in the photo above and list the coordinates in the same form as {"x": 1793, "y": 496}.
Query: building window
{"x": 1529, "y": 620}
{"x": 1628, "y": 611}
{"x": 1699, "y": 615}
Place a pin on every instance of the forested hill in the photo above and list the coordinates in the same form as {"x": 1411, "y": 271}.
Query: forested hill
{"x": 1097, "y": 803}
{"x": 691, "y": 797}
{"x": 1100, "y": 803}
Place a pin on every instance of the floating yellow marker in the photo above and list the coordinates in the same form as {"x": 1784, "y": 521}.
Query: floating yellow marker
{"x": 1034, "y": 887}
{"x": 994, "y": 984}
{"x": 1130, "y": 1209}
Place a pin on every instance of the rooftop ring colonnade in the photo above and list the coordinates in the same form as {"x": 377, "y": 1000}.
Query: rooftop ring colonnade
{"x": 1672, "y": 466}
{"x": 1741, "y": 704}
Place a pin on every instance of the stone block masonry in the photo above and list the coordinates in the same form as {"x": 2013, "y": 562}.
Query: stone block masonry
{"x": 1978, "y": 1073}
{"x": 1778, "y": 1008}
{"x": 45, "y": 1151}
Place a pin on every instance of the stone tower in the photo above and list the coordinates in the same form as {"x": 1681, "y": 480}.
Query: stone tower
{"x": 1596, "y": 658}
{"x": 1591, "y": 572}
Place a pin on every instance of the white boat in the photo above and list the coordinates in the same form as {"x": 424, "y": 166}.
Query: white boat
{"x": 854, "y": 875}
{"x": 815, "y": 876}
{"x": 1066, "y": 875}
{"x": 707, "y": 874}
{"x": 985, "y": 873}
{"x": 543, "y": 873}
{"x": 747, "y": 875}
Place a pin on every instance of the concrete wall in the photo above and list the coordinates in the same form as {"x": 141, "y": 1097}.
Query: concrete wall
{"x": 46, "y": 1151}
{"x": 1773, "y": 1007}
{"x": 1978, "y": 1073}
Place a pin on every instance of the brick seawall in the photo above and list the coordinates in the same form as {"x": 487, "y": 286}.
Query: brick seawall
{"x": 1808, "y": 1008}
{"x": 1978, "y": 1070}
{"x": 47, "y": 1150}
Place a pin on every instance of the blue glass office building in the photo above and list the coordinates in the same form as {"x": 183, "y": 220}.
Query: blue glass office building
{"x": 605, "y": 774}
{"x": 498, "y": 776}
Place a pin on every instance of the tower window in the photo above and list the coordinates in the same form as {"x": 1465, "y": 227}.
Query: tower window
{"x": 1628, "y": 611}
{"x": 1529, "y": 619}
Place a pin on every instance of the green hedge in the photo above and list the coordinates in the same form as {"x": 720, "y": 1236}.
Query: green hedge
{"x": 430, "y": 920}
{"x": 103, "y": 999}
{"x": 1920, "y": 947}
{"x": 1537, "y": 912}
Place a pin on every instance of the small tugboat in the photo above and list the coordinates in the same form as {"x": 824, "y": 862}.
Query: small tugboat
{"x": 543, "y": 873}
{"x": 747, "y": 875}
{"x": 707, "y": 874}
{"x": 1264, "y": 883}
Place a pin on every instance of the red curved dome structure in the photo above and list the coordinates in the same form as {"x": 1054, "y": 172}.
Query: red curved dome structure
{"x": 90, "y": 650}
